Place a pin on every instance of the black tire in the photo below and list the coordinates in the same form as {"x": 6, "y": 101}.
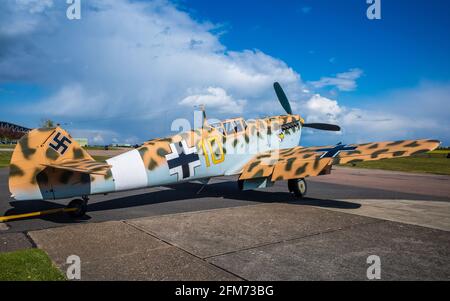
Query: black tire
{"x": 81, "y": 208}
{"x": 297, "y": 187}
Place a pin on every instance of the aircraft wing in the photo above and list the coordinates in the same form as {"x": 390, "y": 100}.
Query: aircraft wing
{"x": 300, "y": 162}
{"x": 82, "y": 165}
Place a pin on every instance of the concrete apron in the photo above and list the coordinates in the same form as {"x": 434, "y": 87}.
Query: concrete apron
{"x": 274, "y": 241}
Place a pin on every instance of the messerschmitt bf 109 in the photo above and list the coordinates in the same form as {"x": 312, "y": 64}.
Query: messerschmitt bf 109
{"x": 48, "y": 164}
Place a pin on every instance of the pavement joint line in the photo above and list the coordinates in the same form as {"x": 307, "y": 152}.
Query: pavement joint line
{"x": 385, "y": 218}
{"x": 122, "y": 255}
{"x": 152, "y": 217}
{"x": 129, "y": 223}
{"x": 205, "y": 210}
{"x": 28, "y": 237}
{"x": 295, "y": 238}
{"x": 183, "y": 250}
{"x": 378, "y": 220}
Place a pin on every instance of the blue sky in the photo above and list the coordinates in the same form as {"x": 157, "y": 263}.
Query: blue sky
{"x": 127, "y": 69}
{"x": 411, "y": 42}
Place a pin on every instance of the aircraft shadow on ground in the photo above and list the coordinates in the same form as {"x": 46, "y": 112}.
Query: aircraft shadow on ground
{"x": 184, "y": 191}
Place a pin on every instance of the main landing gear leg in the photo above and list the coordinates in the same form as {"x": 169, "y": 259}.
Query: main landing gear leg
{"x": 79, "y": 206}
{"x": 297, "y": 187}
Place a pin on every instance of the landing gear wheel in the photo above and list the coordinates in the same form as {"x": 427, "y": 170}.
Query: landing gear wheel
{"x": 297, "y": 187}
{"x": 81, "y": 208}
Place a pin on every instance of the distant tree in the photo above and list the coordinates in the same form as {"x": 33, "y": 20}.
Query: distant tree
{"x": 47, "y": 123}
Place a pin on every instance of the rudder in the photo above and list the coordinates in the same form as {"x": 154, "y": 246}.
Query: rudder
{"x": 32, "y": 153}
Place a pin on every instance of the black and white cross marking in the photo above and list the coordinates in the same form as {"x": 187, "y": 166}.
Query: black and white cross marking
{"x": 182, "y": 160}
{"x": 60, "y": 143}
{"x": 333, "y": 152}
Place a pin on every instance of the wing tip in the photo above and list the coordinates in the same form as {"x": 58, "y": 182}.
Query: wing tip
{"x": 435, "y": 143}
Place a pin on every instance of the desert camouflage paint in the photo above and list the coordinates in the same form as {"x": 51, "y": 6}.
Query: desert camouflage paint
{"x": 49, "y": 164}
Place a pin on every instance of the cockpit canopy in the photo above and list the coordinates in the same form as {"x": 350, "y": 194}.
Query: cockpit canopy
{"x": 238, "y": 125}
{"x": 230, "y": 126}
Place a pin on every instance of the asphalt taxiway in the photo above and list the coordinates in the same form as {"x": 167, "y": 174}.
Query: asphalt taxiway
{"x": 220, "y": 233}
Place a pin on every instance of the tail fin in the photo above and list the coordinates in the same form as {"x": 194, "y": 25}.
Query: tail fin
{"x": 33, "y": 153}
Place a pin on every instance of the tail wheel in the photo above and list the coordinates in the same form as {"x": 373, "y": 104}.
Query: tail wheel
{"x": 297, "y": 187}
{"x": 80, "y": 208}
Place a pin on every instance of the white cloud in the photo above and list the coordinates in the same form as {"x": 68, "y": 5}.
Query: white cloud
{"x": 95, "y": 137}
{"x": 69, "y": 99}
{"x": 129, "y": 58}
{"x": 420, "y": 112}
{"x": 215, "y": 98}
{"x": 18, "y": 17}
{"x": 33, "y": 6}
{"x": 98, "y": 139}
{"x": 319, "y": 108}
{"x": 345, "y": 81}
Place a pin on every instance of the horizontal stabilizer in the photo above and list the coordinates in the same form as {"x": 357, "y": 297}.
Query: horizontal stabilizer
{"x": 83, "y": 165}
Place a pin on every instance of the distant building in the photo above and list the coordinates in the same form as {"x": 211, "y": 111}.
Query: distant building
{"x": 11, "y": 133}
{"x": 121, "y": 145}
{"x": 83, "y": 142}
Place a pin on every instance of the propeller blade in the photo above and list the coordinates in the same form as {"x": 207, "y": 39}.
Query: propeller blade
{"x": 282, "y": 98}
{"x": 322, "y": 126}
{"x": 287, "y": 107}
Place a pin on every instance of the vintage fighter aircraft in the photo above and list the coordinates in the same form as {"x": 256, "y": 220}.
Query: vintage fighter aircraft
{"x": 48, "y": 164}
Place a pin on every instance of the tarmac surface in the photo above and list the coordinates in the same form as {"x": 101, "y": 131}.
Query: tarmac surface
{"x": 220, "y": 233}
